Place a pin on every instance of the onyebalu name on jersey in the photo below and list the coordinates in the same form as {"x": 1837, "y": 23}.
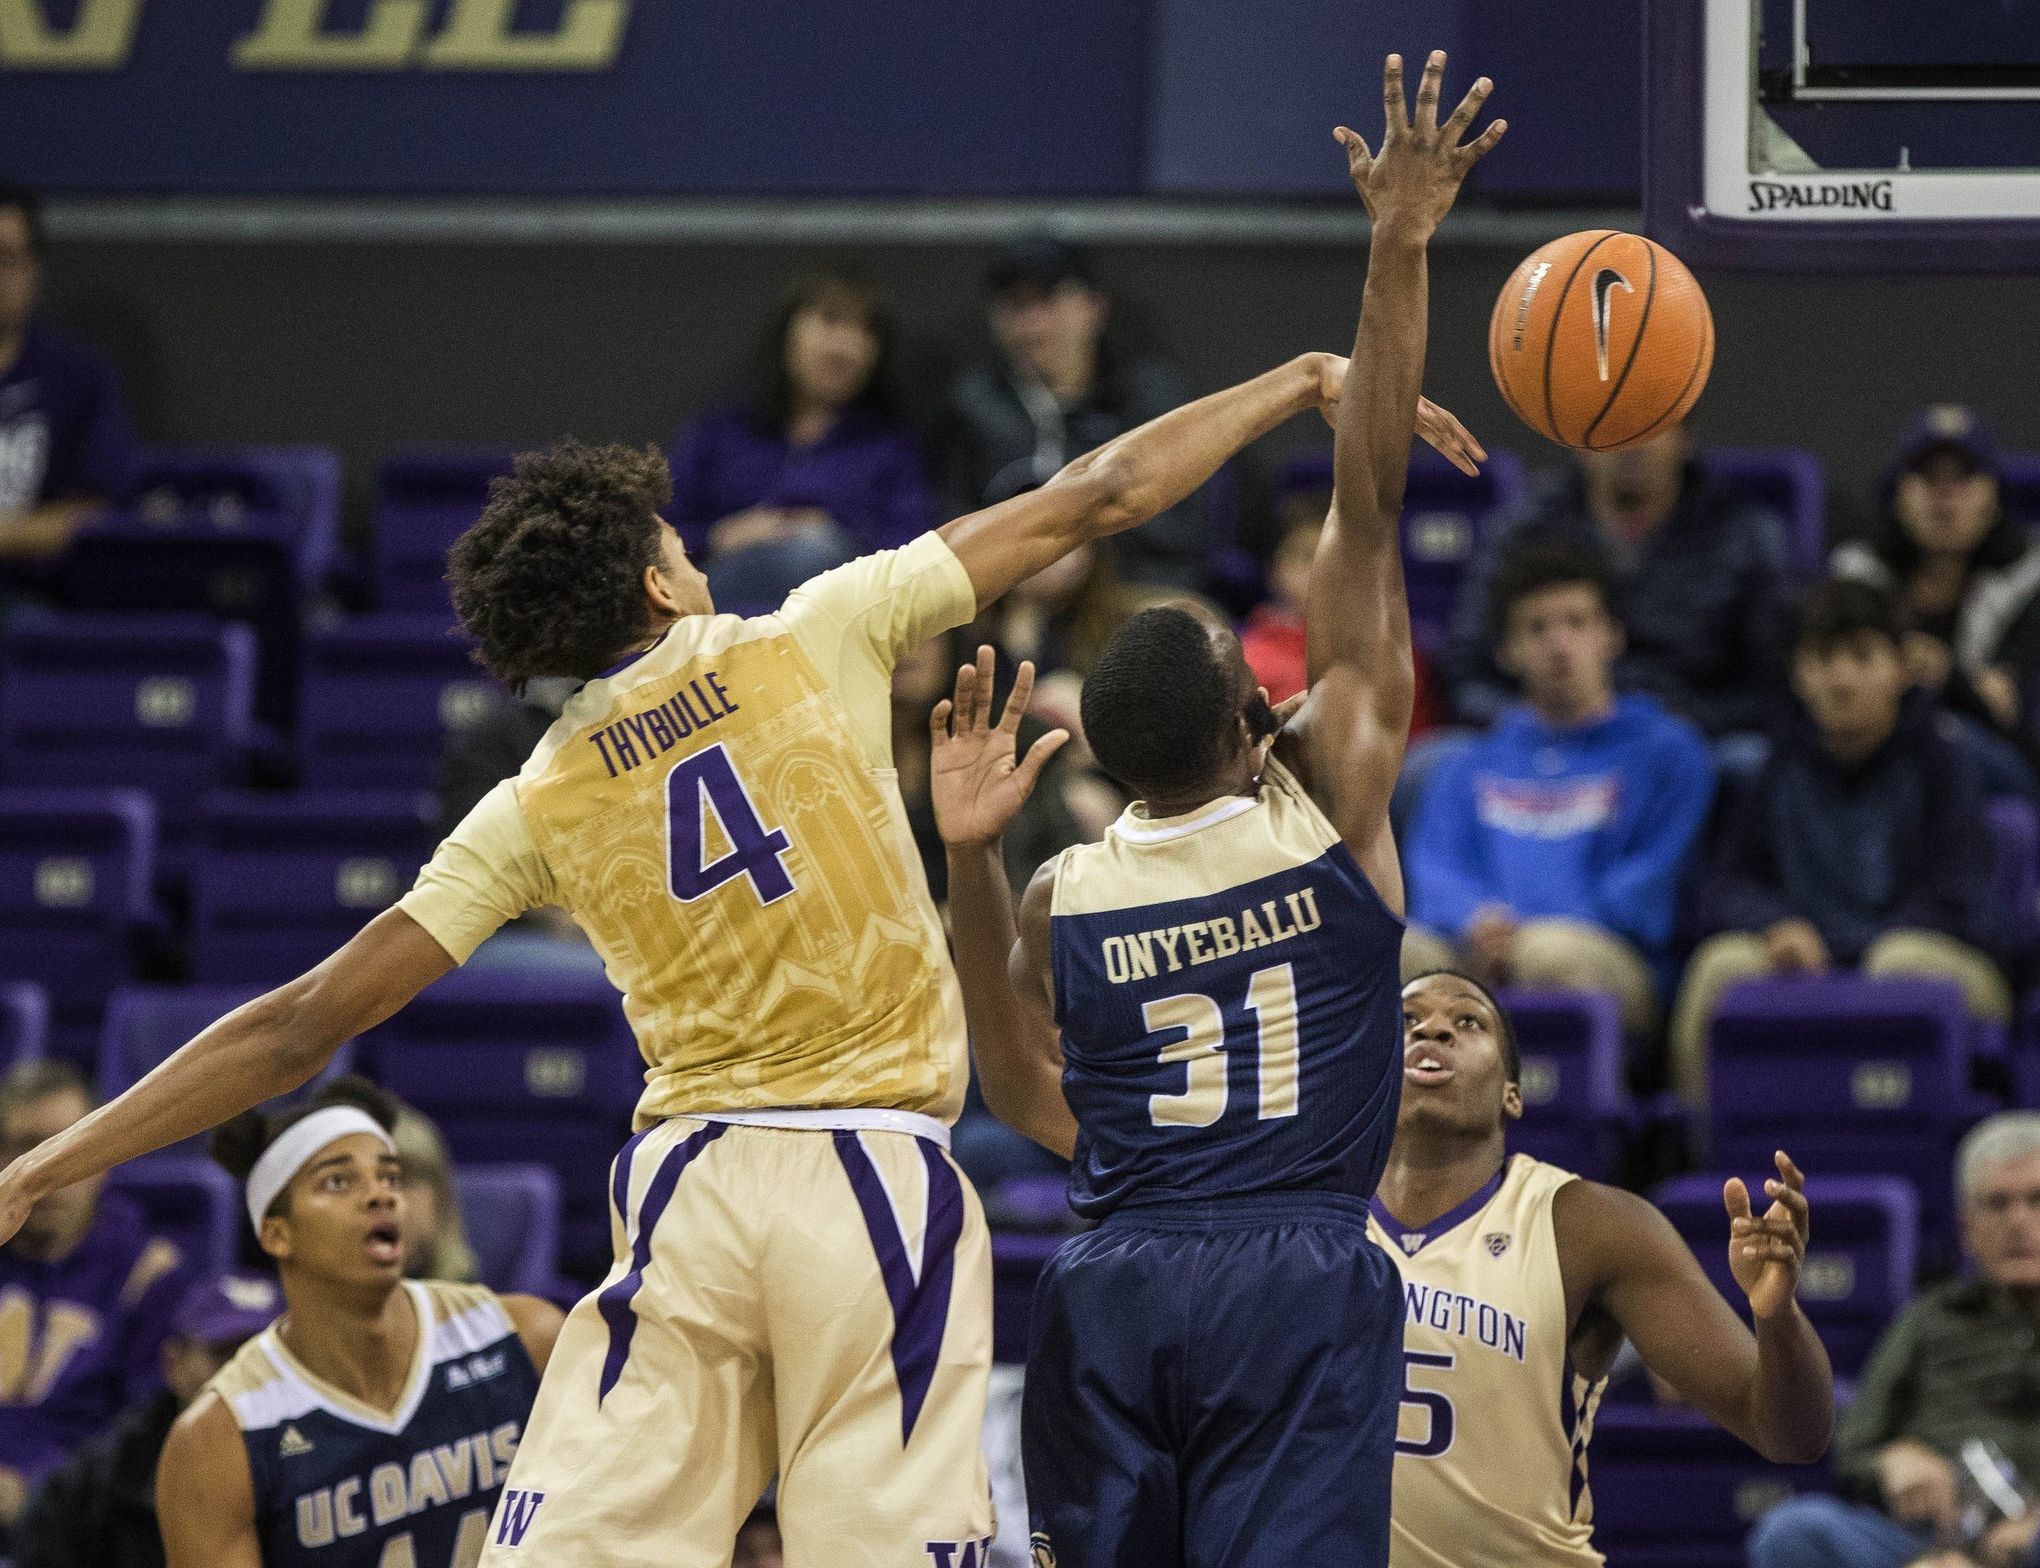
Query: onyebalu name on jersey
{"x": 1143, "y": 954}
{"x": 1467, "y": 1317}
{"x": 445, "y": 1473}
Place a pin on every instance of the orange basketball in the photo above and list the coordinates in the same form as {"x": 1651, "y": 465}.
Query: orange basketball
{"x": 1601, "y": 340}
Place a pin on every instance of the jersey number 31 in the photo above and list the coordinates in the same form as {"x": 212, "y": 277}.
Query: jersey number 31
{"x": 1271, "y": 998}
{"x": 704, "y": 789}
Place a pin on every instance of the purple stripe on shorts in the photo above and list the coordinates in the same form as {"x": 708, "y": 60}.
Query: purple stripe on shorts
{"x": 920, "y": 1309}
{"x": 617, "y": 1302}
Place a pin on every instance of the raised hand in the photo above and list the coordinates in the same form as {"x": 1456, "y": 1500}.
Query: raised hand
{"x": 1412, "y": 181}
{"x": 975, "y": 784}
{"x": 1765, "y": 1251}
{"x": 1439, "y": 427}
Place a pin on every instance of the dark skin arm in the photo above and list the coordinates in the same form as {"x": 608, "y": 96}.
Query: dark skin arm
{"x": 265, "y": 1048}
{"x": 977, "y": 785}
{"x": 205, "y": 1499}
{"x": 1347, "y": 744}
{"x": 1627, "y": 1273}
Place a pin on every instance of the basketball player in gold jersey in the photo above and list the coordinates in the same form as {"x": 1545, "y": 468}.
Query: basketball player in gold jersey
{"x": 1521, "y": 1280}
{"x": 802, "y": 1280}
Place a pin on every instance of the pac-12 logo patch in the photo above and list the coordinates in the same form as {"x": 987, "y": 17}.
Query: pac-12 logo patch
{"x": 1496, "y": 1242}
{"x": 1039, "y": 1548}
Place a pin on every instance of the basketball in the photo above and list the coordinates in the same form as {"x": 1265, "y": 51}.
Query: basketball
{"x": 1601, "y": 340}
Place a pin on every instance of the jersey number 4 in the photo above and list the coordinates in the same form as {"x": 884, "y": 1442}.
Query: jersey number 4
{"x": 704, "y": 792}
{"x": 1271, "y": 998}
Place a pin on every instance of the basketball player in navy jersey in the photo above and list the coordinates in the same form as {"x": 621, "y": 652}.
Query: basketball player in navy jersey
{"x": 1520, "y": 1281}
{"x": 1214, "y": 1371}
{"x": 373, "y": 1424}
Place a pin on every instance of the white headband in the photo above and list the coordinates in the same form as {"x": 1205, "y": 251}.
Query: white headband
{"x": 293, "y": 1151}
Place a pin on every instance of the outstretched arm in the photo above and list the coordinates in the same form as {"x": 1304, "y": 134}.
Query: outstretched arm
{"x": 1133, "y": 477}
{"x": 260, "y": 1050}
{"x": 1773, "y": 1389}
{"x": 1349, "y": 740}
{"x": 977, "y": 787}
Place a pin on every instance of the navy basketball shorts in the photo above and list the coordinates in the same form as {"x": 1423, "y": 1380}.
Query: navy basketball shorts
{"x": 1215, "y": 1385}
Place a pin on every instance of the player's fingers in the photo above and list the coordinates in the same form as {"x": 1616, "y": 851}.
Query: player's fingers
{"x": 1482, "y": 144}
{"x": 1017, "y": 699}
{"x": 1395, "y": 103}
{"x": 938, "y": 721}
{"x": 965, "y": 696}
{"x": 1429, "y": 85}
{"x": 1794, "y": 1177}
{"x": 1736, "y": 1197}
{"x": 1037, "y": 757}
{"x": 1289, "y": 707}
{"x": 1791, "y": 1206}
{"x": 987, "y": 665}
{"x": 1469, "y": 106}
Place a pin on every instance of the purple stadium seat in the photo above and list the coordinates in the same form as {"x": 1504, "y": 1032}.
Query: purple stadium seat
{"x": 1672, "y": 1490}
{"x": 24, "y": 1022}
{"x": 541, "y": 1066}
{"x": 380, "y": 694}
{"x": 2026, "y": 1055}
{"x": 1861, "y": 1264}
{"x": 1787, "y": 479}
{"x": 191, "y": 1201}
{"x": 1852, "y": 1077}
{"x": 424, "y": 500}
{"x": 244, "y": 534}
{"x": 75, "y": 871}
{"x": 1017, "y": 1261}
{"x": 1576, "y": 1111}
{"x": 1443, "y": 514}
{"x": 145, "y": 1023}
{"x": 158, "y": 703}
{"x": 512, "y": 1216}
{"x": 2019, "y": 487}
{"x": 281, "y": 881}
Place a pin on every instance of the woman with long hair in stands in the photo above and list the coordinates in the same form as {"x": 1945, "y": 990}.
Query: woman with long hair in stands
{"x": 371, "y": 1426}
{"x": 435, "y": 1235}
{"x": 814, "y": 467}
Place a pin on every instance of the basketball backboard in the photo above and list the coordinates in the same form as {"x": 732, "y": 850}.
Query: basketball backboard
{"x": 1844, "y": 135}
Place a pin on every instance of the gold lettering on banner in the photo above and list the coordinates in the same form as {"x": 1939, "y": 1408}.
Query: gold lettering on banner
{"x": 478, "y": 37}
{"x": 292, "y": 36}
{"x": 98, "y": 38}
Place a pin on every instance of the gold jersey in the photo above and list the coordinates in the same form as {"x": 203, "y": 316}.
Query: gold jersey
{"x": 721, "y": 817}
{"x": 1491, "y": 1444}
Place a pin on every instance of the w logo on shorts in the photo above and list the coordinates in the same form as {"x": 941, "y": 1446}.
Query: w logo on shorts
{"x": 514, "y": 1516}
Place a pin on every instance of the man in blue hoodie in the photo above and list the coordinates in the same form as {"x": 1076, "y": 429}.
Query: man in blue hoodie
{"x": 1862, "y": 844}
{"x": 1550, "y": 852}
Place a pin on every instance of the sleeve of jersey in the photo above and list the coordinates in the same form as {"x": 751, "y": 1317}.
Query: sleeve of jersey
{"x": 485, "y": 873}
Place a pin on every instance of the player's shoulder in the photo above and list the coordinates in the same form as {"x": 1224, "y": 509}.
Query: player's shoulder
{"x": 844, "y": 592}
{"x": 252, "y": 1388}
{"x": 462, "y": 1317}
{"x": 1604, "y": 1231}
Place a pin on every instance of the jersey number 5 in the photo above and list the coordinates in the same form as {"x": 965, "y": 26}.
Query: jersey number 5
{"x": 1271, "y": 998}
{"x": 1436, "y": 1407}
{"x": 704, "y": 789}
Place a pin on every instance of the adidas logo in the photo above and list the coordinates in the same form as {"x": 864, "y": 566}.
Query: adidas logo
{"x": 294, "y": 1443}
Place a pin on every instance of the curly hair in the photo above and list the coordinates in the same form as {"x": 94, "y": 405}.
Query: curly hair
{"x": 549, "y": 580}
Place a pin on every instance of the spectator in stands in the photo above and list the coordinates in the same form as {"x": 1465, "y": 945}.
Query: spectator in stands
{"x": 1057, "y": 386}
{"x": 1959, "y": 1363}
{"x": 1703, "y": 581}
{"x": 86, "y": 1298}
{"x": 813, "y": 468}
{"x": 1550, "y": 852}
{"x": 1273, "y": 638}
{"x": 67, "y": 445}
{"x": 1969, "y": 578}
{"x": 435, "y": 1239}
{"x": 99, "y": 1506}
{"x": 1860, "y": 843}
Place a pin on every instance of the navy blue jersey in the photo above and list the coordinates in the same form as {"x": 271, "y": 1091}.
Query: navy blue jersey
{"x": 340, "y": 1485}
{"x": 1229, "y": 990}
